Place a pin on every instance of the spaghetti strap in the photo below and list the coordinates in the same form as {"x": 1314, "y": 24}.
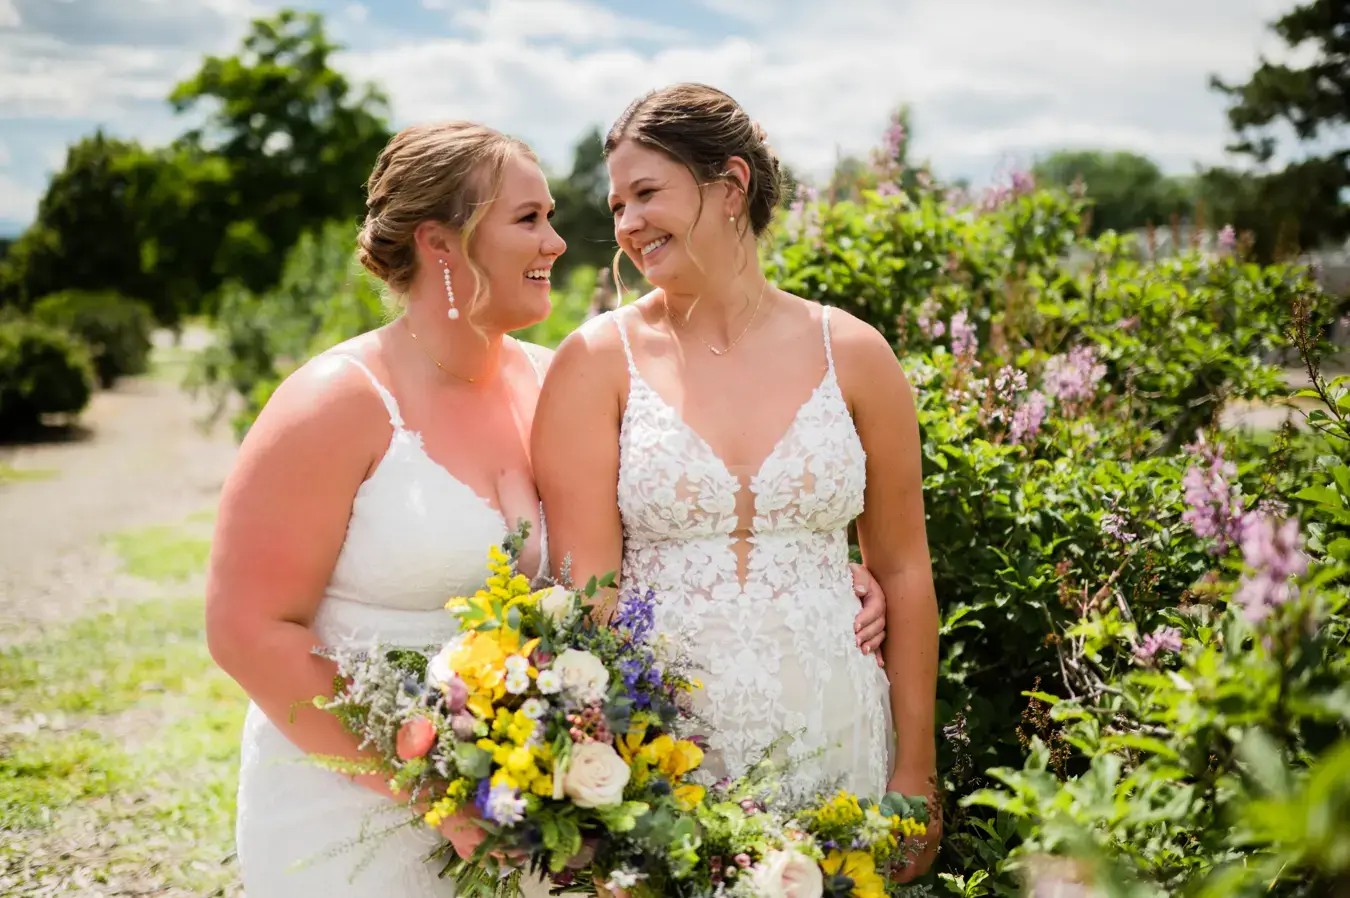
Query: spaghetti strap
{"x": 385, "y": 396}
{"x": 534, "y": 363}
{"x": 825, "y": 326}
{"x": 623, "y": 336}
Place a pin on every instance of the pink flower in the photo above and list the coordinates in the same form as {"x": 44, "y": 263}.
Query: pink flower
{"x": 1274, "y": 555}
{"x": 464, "y": 725}
{"x": 1215, "y": 509}
{"x": 1116, "y": 526}
{"x": 415, "y": 738}
{"x": 1163, "y": 639}
{"x": 1027, "y": 418}
{"x": 1227, "y": 239}
{"x": 1073, "y": 378}
{"x": 964, "y": 342}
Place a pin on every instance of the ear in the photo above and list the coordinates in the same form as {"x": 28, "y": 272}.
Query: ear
{"x": 435, "y": 240}
{"x": 738, "y": 194}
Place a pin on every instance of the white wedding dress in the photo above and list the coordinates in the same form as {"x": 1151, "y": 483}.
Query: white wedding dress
{"x": 775, "y": 652}
{"x": 416, "y": 537}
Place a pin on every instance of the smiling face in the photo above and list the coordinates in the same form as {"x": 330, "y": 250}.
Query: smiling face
{"x": 673, "y": 229}
{"x": 503, "y": 282}
{"x": 515, "y": 247}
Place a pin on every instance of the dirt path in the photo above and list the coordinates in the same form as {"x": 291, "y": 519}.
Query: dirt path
{"x": 141, "y": 458}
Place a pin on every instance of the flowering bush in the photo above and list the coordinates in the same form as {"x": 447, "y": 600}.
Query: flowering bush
{"x": 1126, "y": 591}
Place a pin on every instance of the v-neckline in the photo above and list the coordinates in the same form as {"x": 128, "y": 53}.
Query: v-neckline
{"x": 636, "y": 378}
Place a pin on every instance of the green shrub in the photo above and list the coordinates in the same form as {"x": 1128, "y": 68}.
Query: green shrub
{"x": 324, "y": 297}
{"x": 42, "y": 370}
{"x": 116, "y": 329}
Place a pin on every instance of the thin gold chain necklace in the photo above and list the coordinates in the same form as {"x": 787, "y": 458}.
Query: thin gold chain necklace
{"x": 412, "y": 333}
{"x": 732, "y": 345}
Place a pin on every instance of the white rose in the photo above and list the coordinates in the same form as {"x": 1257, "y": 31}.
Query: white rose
{"x": 787, "y": 874}
{"x": 596, "y": 776}
{"x": 438, "y": 668}
{"x": 582, "y": 674}
{"x": 555, "y": 602}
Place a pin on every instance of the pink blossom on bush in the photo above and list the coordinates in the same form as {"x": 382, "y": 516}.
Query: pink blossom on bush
{"x": 929, "y": 324}
{"x": 1214, "y": 505}
{"x": 1028, "y": 418}
{"x": 1116, "y": 526}
{"x": 1274, "y": 555}
{"x": 1163, "y": 639}
{"x": 1073, "y": 377}
{"x": 1227, "y": 239}
{"x": 964, "y": 342}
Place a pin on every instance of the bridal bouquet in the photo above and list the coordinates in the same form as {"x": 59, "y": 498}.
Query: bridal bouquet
{"x": 552, "y": 731}
{"x": 737, "y": 844}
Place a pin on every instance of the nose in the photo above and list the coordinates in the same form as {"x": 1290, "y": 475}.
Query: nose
{"x": 628, "y": 223}
{"x": 554, "y": 245}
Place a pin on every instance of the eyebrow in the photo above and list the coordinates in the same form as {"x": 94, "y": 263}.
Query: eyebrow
{"x": 632, "y": 185}
{"x": 534, "y": 205}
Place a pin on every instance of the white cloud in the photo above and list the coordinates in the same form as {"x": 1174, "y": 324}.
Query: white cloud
{"x": 985, "y": 79}
{"x": 356, "y": 12}
{"x": 577, "y": 21}
{"x": 9, "y": 15}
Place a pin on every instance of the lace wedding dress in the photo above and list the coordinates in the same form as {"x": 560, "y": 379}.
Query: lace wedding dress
{"x": 774, "y": 645}
{"x": 416, "y": 537}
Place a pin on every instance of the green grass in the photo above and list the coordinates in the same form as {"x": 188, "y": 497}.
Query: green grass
{"x": 11, "y": 474}
{"x": 162, "y": 553}
{"x": 125, "y": 770}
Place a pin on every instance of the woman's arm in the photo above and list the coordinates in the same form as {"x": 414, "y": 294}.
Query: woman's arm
{"x": 575, "y": 450}
{"x": 283, "y": 516}
{"x": 893, "y": 537}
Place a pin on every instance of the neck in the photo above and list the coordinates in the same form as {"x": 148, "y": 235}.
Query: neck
{"x": 465, "y": 354}
{"x": 718, "y": 311}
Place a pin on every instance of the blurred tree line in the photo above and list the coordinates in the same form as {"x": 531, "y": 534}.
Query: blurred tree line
{"x": 287, "y": 142}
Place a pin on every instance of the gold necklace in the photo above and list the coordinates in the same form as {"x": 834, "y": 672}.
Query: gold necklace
{"x": 413, "y": 334}
{"x": 732, "y": 345}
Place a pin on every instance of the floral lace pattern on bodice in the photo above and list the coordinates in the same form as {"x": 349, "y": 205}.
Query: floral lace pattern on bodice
{"x": 761, "y": 600}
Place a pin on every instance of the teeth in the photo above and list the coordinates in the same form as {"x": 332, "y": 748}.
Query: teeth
{"x": 655, "y": 245}
{"x": 538, "y": 274}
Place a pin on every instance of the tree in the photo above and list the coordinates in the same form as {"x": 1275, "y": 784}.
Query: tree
{"x": 1304, "y": 204}
{"x": 1127, "y": 190}
{"x": 297, "y": 141}
{"x": 85, "y": 236}
{"x": 583, "y": 212}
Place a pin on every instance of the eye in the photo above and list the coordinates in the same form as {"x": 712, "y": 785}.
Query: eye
{"x": 533, "y": 217}
{"x": 646, "y": 192}
{"x": 616, "y": 209}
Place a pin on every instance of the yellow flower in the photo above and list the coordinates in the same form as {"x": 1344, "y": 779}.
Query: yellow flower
{"x": 672, "y": 758}
{"x": 859, "y": 867}
{"x": 910, "y": 828}
{"x": 689, "y": 795}
{"x": 843, "y": 810}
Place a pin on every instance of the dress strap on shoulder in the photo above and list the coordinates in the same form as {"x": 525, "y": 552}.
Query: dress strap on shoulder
{"x": 534, "y": 362}
{"x": 616, "y": 317}
{"x": 825, "y": 326}
{"x": 386, "y": 397}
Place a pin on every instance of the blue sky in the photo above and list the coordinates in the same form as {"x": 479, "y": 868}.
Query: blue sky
{"x": 992, "y": 83}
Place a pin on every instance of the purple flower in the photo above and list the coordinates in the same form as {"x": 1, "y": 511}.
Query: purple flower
{"x": 1023, "y": 182}
{"x": 893, "y": 141}
{"x": 1274, "y": 555}
{"x": 636, "y": 616}
{"x": 1163, "y": 639}
{"x": 888, "y": 188}
{"x": 1073, "y": 378}
{"x": 1114, "y": 525}
{"x": 1215, "y": 509}
{"x": 1027, "y": 418}
{"x": 964, "y": 342}
{"x": 504, "y": 806}
{"x": 1227, "y": 239}
{"x": 930, "y": 325}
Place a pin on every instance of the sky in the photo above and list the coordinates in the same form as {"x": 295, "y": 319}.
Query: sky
{"x": 992, "y": 84}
